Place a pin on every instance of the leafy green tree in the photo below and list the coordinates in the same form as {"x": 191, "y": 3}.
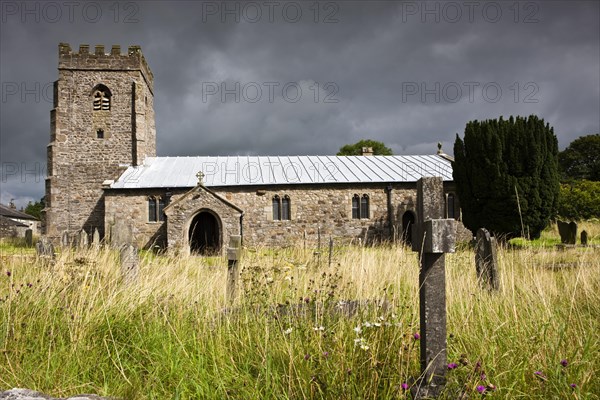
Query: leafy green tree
{"x": 35, "y": 209}
{"x": 379, "y": 149}
{"x": 579, "y": 200}
{"x": 581, "y": 159}
{"x": 506, "y": 175}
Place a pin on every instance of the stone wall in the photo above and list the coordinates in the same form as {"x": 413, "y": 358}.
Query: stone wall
{"x": 79, "y": 161}
{"x": 328, "y": 207}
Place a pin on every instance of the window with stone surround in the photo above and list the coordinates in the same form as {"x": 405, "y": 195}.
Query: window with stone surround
{"x": 281, "y": 208}
{"x": 100, "y": 134}
{"x": 360, "y": 206}
{"x": 450, "y": 205}
{"x": 101, "y": 98}
{"x": 156, "y": 208}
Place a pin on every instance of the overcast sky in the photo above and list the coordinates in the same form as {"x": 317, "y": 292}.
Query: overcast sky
{"x": 306, "y": 77}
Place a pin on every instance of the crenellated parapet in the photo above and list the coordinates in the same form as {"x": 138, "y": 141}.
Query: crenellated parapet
{"x": 99, "y": 59}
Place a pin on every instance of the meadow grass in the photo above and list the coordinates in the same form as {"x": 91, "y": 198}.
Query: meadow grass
{"x": 75, "y": 326}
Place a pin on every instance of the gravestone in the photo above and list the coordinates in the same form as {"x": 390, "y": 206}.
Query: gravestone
{"x": 129, "y": 263}
{"x": 96, "y": 238}
{"x": 29, "y": 238}
{"x": 584, "y": 238}
{"x": 64, "y": 239}
{"x": 486, "y": 261}
{"x": 434, "y": 236}
{"x": 120, "y": 234}
{"x": 82, "y": 239}
{"x": 233, "y": 258}
{"x": 567, "y": 231}
{"x": 44, "y": 248}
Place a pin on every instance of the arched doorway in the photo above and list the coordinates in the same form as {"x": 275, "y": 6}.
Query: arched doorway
{"x": 204, "y": 235}
{"x": 408, "y": 220}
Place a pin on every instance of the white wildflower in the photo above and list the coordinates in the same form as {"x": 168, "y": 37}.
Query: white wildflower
{"x": 319, "y": 328}
{"x": 358, "y": 329}
{"x": 288, "y": 331}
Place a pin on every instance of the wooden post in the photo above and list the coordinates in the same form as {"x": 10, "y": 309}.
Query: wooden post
{"x": 433, "y": 236}
{"x": 233, "y": 257}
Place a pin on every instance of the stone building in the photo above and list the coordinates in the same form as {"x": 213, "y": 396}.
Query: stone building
{"x": 14, "y": 223}
{"x": 103, "y": 171}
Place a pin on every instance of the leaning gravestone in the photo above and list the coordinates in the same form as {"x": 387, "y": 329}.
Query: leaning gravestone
{"x": 129, "y": 263}
{"x": 82, "y": 239}
{"x": 567, "y": 231}
{"x": 29, "y": 238}
{"x": 96, "y": 238}
{"x": 44, "y": 248}
{"x": 584, "y": 238}
{"x": 486, "y": 261}
{"x": 434, "y": 236}
{"x": 64, "y": 239}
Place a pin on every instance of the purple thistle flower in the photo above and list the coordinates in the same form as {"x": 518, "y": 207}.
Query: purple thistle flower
{"x": 404, "y": 386}
{"x": 564, "y": 362}
{"x": 7, "y": 273}
{"x": 483, "y": 377}
{"x": 306, "y": 356}
{"x": 452, "y": 365}
{"x": 416, "y": 336}
{"x": 540, "y": 375}
{"x": 573, "y": 385}
{"x": 481, "y": 388}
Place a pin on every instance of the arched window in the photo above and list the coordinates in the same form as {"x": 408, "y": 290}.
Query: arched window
{"x": 282, "y": 208}
{"x": 360, "y": 206}
{"x": 285, "y": 208}
{"x": 450, "y": 205}
{"x": 101, "y": 98}
{"x": 364, "y": 206}
{"x": 276, "y": 208}
{"x": 152, "y": 209}
{"x": 355, "y": 207}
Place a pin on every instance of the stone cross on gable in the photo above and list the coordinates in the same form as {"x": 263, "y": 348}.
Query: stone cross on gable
{"x": 200, "y": 175}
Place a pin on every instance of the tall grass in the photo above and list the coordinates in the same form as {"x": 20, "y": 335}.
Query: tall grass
{"x": 76, "y": 326}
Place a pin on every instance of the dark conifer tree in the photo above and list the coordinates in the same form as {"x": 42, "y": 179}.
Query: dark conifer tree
{"x": 506, "y": 175}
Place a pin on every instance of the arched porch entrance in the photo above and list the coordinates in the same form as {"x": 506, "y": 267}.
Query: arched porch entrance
{"x": 204, "y": 235}
{"x": 408, "y": 220}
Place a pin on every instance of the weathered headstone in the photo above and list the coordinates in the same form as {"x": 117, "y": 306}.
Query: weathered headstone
{"x": 434, "y": 236}
{"x": 29, "y": 238}
{"x": 121, "y": 234}
{"x": 96, "y": 238}
{"x": 44, "y": 248}
{"x": 486, "y": 261}
{"x": 584, "y": 238}
{"x": 567, "y": 232}
{"x": 233, "y": 258}
{"x": 64, "y": 239}
{"x": 82, "y": 239}
{"x": 129, "y": 263}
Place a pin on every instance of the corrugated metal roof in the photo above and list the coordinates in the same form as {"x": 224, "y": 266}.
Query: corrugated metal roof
{"x": 173, "y": 172}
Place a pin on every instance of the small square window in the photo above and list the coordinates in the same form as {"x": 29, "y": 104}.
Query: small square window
{"x": 100, "y": 134}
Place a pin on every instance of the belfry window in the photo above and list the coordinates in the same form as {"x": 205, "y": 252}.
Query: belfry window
{"x": 281, "y": 208}
{"x": 101, "y": 98}
{"x": 100, "y": 134}
{"x": 360, "y": 206}
{"x": 450, "y": 206}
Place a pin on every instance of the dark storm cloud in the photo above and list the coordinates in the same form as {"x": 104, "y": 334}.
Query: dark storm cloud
{"x": 410, "y": 74}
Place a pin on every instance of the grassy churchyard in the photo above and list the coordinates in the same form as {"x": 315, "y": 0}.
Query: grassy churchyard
{"x": 297, "y": 329}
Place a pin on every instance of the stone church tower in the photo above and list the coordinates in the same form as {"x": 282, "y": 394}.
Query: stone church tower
{"x": 102, "y": 122}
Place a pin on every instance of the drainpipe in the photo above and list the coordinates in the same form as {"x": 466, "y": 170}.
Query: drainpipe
{"x": 242, "y": 228}
{"x": 390, "y": 210}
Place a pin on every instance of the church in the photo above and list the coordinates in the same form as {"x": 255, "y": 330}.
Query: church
{"x": 103, "y": 172}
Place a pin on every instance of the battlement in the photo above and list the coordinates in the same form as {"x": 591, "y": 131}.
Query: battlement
{"x": 99, "y": 59}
